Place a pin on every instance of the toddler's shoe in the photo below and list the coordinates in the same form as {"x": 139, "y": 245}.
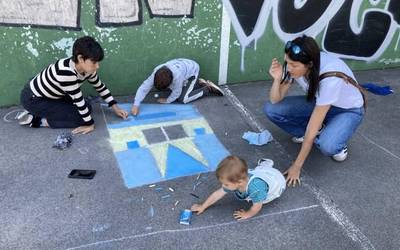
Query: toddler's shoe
{"x": 265, "y": 163}
{"x": 341, "y": 156}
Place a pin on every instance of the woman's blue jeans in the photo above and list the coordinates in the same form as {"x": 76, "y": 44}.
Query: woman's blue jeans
{"x": 293, "y": 113}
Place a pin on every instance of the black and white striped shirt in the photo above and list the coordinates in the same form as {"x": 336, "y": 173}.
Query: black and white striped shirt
{"x": 61, "y": 79}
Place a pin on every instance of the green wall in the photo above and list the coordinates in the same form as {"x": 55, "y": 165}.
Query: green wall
{"x": 131, "y": 52}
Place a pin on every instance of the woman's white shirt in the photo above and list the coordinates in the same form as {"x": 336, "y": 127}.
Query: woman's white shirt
{"x": 334, "y": 90}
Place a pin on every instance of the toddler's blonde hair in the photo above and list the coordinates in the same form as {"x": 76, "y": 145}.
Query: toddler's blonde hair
{"x": 232, "y": 169}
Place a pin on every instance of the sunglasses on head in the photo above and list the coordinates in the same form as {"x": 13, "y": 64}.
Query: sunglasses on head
{"x": 295, "y": 51}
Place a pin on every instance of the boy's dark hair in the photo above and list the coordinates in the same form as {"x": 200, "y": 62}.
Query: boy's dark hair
{"x": 232, "y": 169}
{"x": 88, "y": 48}
{"x": 163, "y": 78}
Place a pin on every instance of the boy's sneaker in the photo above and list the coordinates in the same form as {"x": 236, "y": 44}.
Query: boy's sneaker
{"x": 341, "y": 156}
{"x": 300, "y": 139}
{"x": 25, "y": 118}
{"x": 212, "y": 87}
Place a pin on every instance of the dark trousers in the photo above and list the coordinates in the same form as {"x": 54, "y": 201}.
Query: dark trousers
{"x": 192, "y": 90}
{"x": 59, "y": 113}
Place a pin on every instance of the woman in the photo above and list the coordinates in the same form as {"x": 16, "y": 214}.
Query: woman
{"x": 331, "y": 111}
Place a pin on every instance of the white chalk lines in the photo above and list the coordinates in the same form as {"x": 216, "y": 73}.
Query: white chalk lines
{"x": 136, "y": 236}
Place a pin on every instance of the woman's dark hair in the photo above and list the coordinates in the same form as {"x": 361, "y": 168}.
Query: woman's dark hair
{"x": 88, "y": 48}
{"x": 309, "y": 55}
{"x": 162, "y": 78}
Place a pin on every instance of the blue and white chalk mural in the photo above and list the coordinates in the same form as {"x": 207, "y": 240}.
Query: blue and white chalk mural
{"x": 164, "y": 142}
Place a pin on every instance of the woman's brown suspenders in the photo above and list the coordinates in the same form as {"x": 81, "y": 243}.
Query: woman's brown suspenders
{"x": 347, "y": 79}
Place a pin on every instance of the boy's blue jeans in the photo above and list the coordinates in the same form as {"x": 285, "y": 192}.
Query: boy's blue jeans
{"x": 293, "y": 113}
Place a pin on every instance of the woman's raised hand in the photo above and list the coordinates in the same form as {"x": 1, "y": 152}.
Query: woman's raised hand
{"x": 275, "y": 70}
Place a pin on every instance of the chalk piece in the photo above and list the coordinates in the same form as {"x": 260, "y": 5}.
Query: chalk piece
{"x": 171, "y": 189}
{"x": 176, "y": 203}
{"x": 165, "y": 196}
{"x": 151, "y": 211}
{"x": 152, "y": 185}
{"x": 194, "y": 195}
{"x": 155, "y": 95}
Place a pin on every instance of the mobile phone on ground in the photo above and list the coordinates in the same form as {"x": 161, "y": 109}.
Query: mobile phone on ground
{"x": 82, "y": 174}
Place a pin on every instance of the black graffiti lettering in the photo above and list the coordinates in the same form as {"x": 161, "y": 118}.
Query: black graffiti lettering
{"x": 342, "y": 40}
{"x": 292, "y": 20}
{"x": 247, "y": 12}
{"x": 394, "y": 8}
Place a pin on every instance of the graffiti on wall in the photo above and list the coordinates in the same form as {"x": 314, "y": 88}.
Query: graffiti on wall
{"x": 65, "y": 14}
{"x": 349, "y": 30}
{"x": 41, "y": 13}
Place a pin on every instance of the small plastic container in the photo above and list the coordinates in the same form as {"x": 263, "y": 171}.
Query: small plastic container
{"x": 185, "y": 217}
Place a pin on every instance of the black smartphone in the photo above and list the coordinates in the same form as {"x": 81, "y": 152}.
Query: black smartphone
{"x": 82, "y": 174}
{"x": 285, "y": 74}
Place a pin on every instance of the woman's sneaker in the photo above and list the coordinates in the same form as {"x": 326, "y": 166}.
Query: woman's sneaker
{"x": 300, "y": 139}
{"x": 341, "y": 156}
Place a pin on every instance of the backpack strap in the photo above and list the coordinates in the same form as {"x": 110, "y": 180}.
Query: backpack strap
{"x": 347, "y": 79}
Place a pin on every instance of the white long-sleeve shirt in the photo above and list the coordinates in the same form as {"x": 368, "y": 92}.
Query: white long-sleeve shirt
{"x": 182, "y": 69}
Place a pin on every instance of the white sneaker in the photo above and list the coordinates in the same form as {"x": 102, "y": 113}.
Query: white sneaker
{"x": 213, "y": 88}
{"x": 25, "y": 118}
{"x": 341, "y": 156}
{"x": 265, "y": 163}
{"x": 300, "y": 140}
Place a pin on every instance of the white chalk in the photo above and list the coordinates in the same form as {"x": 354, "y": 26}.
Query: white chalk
{"x": 171, "y": 189}
{"x": 152, "y": 185}
{"x": 156, "y": 95}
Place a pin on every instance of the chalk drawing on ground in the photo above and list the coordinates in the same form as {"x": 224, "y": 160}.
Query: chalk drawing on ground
{"x": 164, "y": 142}
{"x": 41, "y": 13}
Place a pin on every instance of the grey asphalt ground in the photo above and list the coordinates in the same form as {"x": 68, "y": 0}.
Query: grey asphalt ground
{"x": 349, "y": 205}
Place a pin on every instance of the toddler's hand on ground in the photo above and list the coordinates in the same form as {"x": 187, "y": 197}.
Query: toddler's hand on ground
{"x": 241, "y": 215}
{"x": 162, "y": 100}
{"x": 135, "y": 110}
{"x": 197, "y": 208}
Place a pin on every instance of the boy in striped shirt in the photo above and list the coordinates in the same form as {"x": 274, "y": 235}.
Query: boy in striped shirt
{"x": 53, "y": 98}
